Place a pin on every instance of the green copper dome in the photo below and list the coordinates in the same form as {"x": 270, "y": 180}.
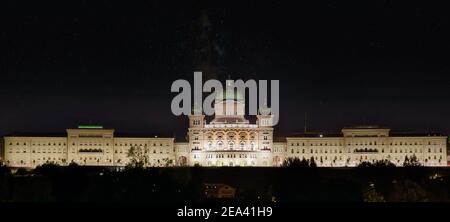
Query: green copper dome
{"x": 229, "y": 94}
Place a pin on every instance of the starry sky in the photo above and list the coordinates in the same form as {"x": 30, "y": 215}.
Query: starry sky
{"x": 112, "y": 63}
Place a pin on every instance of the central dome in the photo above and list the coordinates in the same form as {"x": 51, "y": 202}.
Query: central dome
{"x": 229, "y": 94}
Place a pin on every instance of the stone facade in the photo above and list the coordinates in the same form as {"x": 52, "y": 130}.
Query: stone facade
{"x": 228, "y": 140}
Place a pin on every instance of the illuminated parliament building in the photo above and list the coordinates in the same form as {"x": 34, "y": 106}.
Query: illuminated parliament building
{"x": 228, "y": 140}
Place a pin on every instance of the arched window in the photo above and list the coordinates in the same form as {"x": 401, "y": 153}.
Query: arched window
{"x": 209, "y": 145}
{"x": 220, "y": 145}
{"x": 231, "y": 145}
{"x": 242, "y": 145}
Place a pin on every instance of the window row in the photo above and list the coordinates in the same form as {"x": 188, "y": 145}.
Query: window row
{"x": 38, "y": 144}
{"x": 145, "y": 151}
{"x": 365, "y": 143}
{"x": 211, "y": 156}
{"x": 317, "y": 151}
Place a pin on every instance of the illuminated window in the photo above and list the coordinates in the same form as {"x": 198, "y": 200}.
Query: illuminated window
{"x": 231, "y": 145}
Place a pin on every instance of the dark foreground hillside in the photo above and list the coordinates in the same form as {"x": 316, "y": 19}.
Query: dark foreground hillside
{"x": 74, "y": 183}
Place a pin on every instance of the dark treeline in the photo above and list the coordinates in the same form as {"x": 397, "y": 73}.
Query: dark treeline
{"x": 294, "y": 182}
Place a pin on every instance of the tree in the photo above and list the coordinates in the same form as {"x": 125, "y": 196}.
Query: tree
{"x": 137, "y": 157}
{"x": 73, "y": 164}
{"x": 383, "y": 163}
{"x": 411, "y": 162}
{"x": 371, "y": 195}
{"x": 312, "y": 162}
{"x": 378, "y": 163}
{"x": 289, "y": 162}
{"x": 364, "y": 164}
{"x": 167, "y": 162}
{"x": 47, "y": 169}
{"x": 295, "y": 162}
{"x": 304, "y": 162}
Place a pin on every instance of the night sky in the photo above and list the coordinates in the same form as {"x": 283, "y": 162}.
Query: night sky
{"x": 110, "y": 63}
